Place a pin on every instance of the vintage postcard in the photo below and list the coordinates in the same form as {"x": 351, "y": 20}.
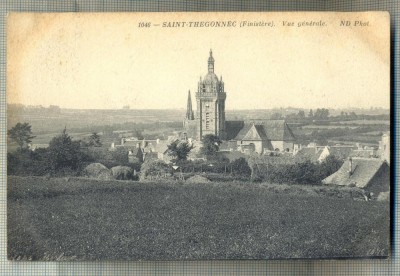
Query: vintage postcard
{"x": 198, "y": 136}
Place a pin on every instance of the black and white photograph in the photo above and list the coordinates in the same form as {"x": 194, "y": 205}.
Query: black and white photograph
{"x": 198, "y": 136}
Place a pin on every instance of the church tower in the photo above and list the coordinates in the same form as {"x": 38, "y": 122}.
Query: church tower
{"x": 210, "y": 97}
{"x": 189, "y": 110}
{"x": 189, "y": 123}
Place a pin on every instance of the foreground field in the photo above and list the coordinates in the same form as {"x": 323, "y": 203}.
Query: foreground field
{"x": 80, "y": 219}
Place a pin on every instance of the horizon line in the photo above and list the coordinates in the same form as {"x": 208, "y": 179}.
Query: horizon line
{"x": 182, "y": 108}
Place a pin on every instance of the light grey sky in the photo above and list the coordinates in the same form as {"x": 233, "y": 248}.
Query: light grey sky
{"x": 106, "y": 61}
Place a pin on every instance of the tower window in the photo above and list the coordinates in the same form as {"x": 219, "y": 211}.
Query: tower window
{"x": 207, "y": 121}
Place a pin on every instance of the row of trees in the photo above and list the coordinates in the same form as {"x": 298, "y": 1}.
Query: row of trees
{"x": 304, "y": 172}
{"x": 319, "y": 113}
{"x": 64, "y": 156}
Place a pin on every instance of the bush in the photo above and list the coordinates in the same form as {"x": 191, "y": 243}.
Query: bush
{"x": 28, "y": 163}
{"x": 155, "y": 169}
{"x": 240, "y": 167}
{"x": 197, "y": 179}
{"x": 122, "y": 173}
{"x": 98, "y": 171}
{"x": 273, "y": 170}
{"x": 117, "y": 157}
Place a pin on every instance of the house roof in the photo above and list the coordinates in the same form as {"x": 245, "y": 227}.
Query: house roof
{"x": 363, "y": 171}
{"x": 132, "y": 143}
{"x": 341, "y": 152}
{"x": 162, "y": 146}
{"x": 309, "y": 153}
{"x": 362, "y": 153}
{"x": 151, "y": 155}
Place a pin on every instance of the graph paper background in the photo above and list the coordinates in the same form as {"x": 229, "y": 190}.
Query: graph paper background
{"x": 290, "y": 267}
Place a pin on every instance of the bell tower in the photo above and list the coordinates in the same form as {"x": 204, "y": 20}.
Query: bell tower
{"x": 210, "y": 99}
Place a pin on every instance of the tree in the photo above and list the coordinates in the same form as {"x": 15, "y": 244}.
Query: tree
{"x": 155, "y": 168}
{"x": 210, "y": 146}
{"x": 179, "y": 150}
{"x": 121, "y": 156}
{"x": 311, "y": 114}
{"x": 301, "y": 114}
{"x": 322, "y": 113}
{"x": 353, "y": 115}
{"x": 138, "y": 134}
{"x": 330, "y": 165}
{"x": 276, "y": 116}
{"x": 240, "y": 167}
{"x": 63, "y": 153}
{"x": 319, "y": 137}
{"x": 21, "y": 134}
{"x": 94, "y": 140}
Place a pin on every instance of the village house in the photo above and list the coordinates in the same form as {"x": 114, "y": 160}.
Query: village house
{"x": 312, "y": 154}
{"x": 384, "y": 147}
{"x": 33, "y": 146}
{"x": 370, "y": 174}
{"x": 320, "y": 153}
{"x": 145, "y": 149}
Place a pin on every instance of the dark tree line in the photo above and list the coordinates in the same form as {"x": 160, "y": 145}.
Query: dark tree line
{"x": 304, "y": 172}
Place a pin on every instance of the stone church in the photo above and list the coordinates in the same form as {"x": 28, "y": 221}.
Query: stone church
{"x": 258, "y": 136}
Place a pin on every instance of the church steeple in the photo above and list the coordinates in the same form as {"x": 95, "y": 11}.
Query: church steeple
{"x": 211, "y": 63}
{"x": 189, "y": 110}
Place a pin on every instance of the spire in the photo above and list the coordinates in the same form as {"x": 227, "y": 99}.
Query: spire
{"x": 211, "y": 63}
{"x": 189, "y": 110}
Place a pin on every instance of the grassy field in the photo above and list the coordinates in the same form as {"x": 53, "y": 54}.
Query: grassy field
{"x": 81, "y": 219}
{"x": 366, "y": 122}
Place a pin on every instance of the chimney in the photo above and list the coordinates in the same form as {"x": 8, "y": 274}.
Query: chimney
{"x": 350, "y": 166}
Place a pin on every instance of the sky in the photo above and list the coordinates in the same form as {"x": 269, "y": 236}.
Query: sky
{"x": 105, "y": 61}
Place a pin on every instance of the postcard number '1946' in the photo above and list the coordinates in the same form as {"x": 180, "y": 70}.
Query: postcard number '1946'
{"x": 144, "y": 24}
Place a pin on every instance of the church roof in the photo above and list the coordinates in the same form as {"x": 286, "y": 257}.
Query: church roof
{"x": 278, "y": 130}
{"x": 273, "y": 130}
{"x": 233, "y": 128}
{"x": 243, "y": 131}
